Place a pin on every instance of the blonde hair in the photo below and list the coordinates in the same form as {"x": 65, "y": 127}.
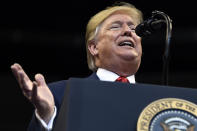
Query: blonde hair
{"x": 96, "y": 21}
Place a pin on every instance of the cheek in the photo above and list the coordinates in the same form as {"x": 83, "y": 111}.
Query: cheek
{"x": 139, "y": 44}
{"x": 105, "y": 47}
{"x": 115, "y": 35}
{"x": 137, "y": 38}
{"x": 109, "y": 36}
{"x": 107, "y": 43}
{"x": 139, "y": 49}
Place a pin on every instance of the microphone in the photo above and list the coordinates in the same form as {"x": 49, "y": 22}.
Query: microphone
{"x": 149, "y": 26}
{"x": 154, "y": 23}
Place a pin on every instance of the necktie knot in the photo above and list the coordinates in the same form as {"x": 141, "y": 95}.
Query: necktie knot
{"x": 122, "y": 79}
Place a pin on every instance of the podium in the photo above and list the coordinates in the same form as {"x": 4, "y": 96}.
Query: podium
{"x": 113, "y": 106}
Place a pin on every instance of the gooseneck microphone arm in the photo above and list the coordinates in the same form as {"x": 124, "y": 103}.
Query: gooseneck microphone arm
{"x": 167, "y": 47}
{"x": 167, "y": 44}
{"x": 149, "y": 26}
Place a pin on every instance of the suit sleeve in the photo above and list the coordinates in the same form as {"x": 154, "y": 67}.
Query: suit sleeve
{"x": 57, "y": 89}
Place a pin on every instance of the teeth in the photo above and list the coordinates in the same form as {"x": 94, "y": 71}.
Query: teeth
{"x": 126, "y": 43}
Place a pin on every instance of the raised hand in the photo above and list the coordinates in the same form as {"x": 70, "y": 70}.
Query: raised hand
{"x": 37, "y": 92}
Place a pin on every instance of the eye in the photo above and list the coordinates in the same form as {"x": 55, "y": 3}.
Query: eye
{"x": 132, "y": 27}
{"x": 115, "y": 27}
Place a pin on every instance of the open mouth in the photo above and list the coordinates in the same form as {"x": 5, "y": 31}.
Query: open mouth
{"x": 126, "y": 43}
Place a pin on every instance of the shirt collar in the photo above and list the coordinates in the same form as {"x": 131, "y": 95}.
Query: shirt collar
{"x": 106, "y": 75}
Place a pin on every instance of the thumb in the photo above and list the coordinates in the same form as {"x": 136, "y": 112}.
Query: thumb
{"x": 40, "y": 80}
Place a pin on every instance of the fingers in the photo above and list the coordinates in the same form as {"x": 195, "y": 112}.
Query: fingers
{"x": 23, "y": 80}
{"x": 15, "y": 68}
{"x": 37, "y": 92}
{"x": 40, "y": 80}
{"x": 18, "y": 72}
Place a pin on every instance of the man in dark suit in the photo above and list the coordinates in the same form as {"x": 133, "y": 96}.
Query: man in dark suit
{"x": 113, "y": 52}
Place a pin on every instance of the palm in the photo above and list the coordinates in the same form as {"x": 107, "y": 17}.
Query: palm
{"x": 36, "y": 91}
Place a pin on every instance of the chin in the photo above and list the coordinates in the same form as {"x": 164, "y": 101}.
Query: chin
{"x": 130, "y": 57}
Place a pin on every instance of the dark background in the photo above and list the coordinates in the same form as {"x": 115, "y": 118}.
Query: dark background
{"x": 48, "y": 38}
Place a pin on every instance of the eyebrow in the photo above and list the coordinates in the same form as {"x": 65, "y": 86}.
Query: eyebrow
{"x": 120, "y": 22}
{"x": 116, "y": 22}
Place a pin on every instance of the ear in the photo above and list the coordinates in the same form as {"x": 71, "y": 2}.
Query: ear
{"x": 92, "y": 47}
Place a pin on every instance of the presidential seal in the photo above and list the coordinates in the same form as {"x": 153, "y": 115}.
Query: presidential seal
{"x": 169, "y": 114}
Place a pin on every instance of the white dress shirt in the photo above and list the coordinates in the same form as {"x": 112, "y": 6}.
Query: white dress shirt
{"x": 103, "y": 75}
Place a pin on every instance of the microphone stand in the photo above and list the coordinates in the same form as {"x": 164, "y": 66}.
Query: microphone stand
{"x": 167, "y": 45}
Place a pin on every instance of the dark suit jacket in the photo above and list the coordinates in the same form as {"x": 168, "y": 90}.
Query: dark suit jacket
{"x": 57, "y": 89}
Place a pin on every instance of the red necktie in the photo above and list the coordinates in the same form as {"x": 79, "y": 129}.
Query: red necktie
{"x": 122, "y": 79}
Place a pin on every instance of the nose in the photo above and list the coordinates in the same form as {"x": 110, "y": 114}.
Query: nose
{"x": 127, "y": 31}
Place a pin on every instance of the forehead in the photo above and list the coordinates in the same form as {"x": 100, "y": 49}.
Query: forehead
{"x": 120, "y": 17}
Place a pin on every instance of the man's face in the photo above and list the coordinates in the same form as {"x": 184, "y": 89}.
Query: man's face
{"x": 117, "y": 45}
